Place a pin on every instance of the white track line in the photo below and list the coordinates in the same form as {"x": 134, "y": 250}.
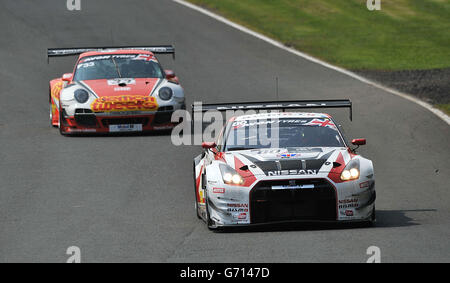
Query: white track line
{"x": 409, "y": 97}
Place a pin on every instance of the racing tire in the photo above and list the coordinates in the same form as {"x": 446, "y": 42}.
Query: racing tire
{"x": 374, "y": 217}
{"x": 51, "y": 107}
{"x": 209, "y": 221}
{"x": 195, "y": 196}
{"x": 51, "y": 116}
{"x": 371, "y": 222}
{"x": 59, "y": 124}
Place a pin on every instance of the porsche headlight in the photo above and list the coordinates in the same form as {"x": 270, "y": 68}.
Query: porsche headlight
{"x": 230, "y": 176}
{"x": 165, "y": 93}
{"x": 81, "y": 95}
{"x": 351, "y": 171}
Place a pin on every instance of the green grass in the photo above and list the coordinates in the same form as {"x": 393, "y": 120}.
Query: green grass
{"x": 404, "y": 35}
{"x": 444, "y": 107}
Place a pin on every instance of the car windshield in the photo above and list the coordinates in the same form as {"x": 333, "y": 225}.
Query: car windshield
{"x": 118, "y": 66}
{"x": 283, "y": 133}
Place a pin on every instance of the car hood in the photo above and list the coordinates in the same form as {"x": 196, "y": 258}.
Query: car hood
{"x": 293, "y": 161}
{"x": 121, "y": 86}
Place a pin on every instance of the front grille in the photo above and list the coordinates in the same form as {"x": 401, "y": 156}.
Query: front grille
{"x": 85, "y": 117}
{"x": 274, "y": 166}
{"x": 163, "y": 115}
{"x": 122, "y": 121}
{"x": 269, "y": 205}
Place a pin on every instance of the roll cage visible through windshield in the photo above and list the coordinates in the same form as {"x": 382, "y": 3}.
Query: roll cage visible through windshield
{"x": 292, "y": 132}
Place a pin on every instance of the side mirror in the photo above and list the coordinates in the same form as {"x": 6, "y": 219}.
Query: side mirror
{"x": 359, "y": 141}
{"x": 67, "y": 77}
{"x": 208, "y": 145}
{"x": 170, "y": 74}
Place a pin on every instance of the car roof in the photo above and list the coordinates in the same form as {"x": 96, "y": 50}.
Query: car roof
{"x": 113, "y": 52}
{"x": 278, "y": 115}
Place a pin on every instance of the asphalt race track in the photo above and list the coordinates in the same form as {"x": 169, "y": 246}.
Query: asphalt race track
{"x": 130, "y": 198}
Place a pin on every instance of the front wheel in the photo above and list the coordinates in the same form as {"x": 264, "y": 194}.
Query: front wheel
{"x": 195, "y": 195}
{"x": 209, "y": 222}
{"x": 51, "y": 116}
{"x": 60, "y": 122}
{"x": 372, "y": 220}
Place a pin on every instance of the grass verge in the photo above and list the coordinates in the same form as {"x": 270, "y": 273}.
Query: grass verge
{"x": 444, "y": 107}
{"x": 403, "y": 35}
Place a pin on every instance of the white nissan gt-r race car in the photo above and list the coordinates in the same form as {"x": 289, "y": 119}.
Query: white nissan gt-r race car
{"x": 306, "y": 173}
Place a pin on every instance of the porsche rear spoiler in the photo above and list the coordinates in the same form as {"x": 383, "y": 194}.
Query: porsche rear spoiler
{"x": 157, "y": 49}
{"x": 275, "y": 105}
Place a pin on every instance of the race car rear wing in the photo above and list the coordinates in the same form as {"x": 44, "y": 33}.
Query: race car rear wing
{"x": 157, "y": 49}
{"x": 275, "y": 105}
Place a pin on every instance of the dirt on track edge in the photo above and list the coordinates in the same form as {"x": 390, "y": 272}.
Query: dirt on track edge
{"x": 432, "y": 86}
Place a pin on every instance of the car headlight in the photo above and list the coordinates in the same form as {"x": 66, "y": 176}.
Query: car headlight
{"x": 165, "y": 93}
{"x": 230, "y": 176}
{"x": 351, "y": 171}
{"x": 81, "y": 95}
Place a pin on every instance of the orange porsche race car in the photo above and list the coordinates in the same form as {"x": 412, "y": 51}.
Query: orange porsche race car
{"x": 115, "y": 89}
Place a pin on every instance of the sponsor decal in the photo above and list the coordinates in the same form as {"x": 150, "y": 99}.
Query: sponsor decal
{"x": 125, "y": 128}
{"x": 322, "y": 123}
{"x": 275, "y": 105}
{"x": 280, "y": 151}
{"x": 242, "y": 216}
{"x": 122, "y": 88}
{"x": 237, "y": 210}
{"x": 106, "y": 57}
{"x": 124, "y": 103}
{"x": 122, "y": 81}
{"x": 145, "y": 57}
{"x": 293, "y": 187}
{"x": 364, "y": 185}
{"x": 237, "y": 207}
{"x": 287, "y": 155}
{"x": 219, "y": 190}
{"x": 292, "y": 172}
{"x": 56, "y": 89}
{"x": 348, "y": 203}
{"x": 349, "y": 213}
{"x": 249, "y": 123}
